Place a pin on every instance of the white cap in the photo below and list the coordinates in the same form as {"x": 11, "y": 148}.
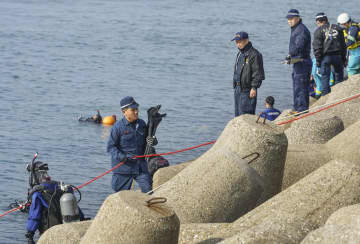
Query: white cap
{"x": 343, "y": 18}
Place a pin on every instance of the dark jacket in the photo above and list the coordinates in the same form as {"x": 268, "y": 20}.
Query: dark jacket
{"x": 125, "y": 141}
{"x": 329, "y": 40}
{"x": 300, "y": 41}
{"x": 249, "y": 68}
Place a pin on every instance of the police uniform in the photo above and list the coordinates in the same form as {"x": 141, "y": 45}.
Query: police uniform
{"x": 127, "y": 140}
{"x": 248, "y": 74}
{"x": 352, "y": 39}
{"x": 315, "y": 72}
{"x": 299, "y": 48}
{"x": 329, "y": 50}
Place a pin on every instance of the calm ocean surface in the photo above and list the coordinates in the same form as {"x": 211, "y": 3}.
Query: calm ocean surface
{"x": 60, "y": 59}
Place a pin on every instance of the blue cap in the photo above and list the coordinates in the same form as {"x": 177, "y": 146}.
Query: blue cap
{"x": 240, "y": 36}
{"x": 292, "y": 13}
{"x": 128, "y": 102}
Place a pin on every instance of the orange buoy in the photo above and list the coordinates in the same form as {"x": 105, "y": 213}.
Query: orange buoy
{"x": 109, "y": 120}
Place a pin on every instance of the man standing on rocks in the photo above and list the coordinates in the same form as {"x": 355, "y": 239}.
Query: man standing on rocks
{"x": 127, "y": 140}
{"x": 248, "y": 75}
{"x": 329, "y": 49}
{"x": 299, "y": 55}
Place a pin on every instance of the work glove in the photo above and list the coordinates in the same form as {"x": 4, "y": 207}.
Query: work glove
{"x": 151, "y": 141}
{"x": 288, "y": 59}
{"x": 30, "y": 237}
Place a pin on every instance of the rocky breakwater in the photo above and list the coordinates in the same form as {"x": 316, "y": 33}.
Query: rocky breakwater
{"x": 343, "y": 226}
{"x": 133, "y": 217}
{"x": 69, "y": 233}
{"x": 220, "y": 186}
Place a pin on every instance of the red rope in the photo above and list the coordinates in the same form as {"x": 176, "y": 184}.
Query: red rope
{"x": 10, "y": 211}
{"x": 121, "y": 163}
{"x": 317, "y": 111}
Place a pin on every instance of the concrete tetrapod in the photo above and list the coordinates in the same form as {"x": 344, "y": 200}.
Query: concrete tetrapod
{"x": 348, "y": 112}
{"x": 346, "y": 145}
{"x": 164, "y": 174}
{"x": 301, "y": 208}
{"x": 343, "y": 226}
{"x": 69, "y": 233}
{"x": 126, "y": 217}
{"x": 244, "y": 136}
{"x": 217, "y": 187}
{"x": 196, "y": 232}
{"x": 301, "y": 160}
{"x": 317, "y": 129}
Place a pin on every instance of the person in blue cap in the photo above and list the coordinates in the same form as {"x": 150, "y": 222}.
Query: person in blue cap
{"x": 329, "y": 50}
{"x": 128, "y": 138}
{"x": 299, "y": 55}
{"x": 248, "y": 75}
{"x": 270, "y": 113}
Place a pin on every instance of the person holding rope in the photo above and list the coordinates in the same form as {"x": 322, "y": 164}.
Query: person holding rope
{"x": 128, "y": 138}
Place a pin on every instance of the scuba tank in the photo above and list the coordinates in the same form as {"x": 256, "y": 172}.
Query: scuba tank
{"x": 68, "y": 205}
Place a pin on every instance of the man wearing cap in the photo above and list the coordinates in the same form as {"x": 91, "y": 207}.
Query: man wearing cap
{"x": 127, "y": 140}
{"x": 299, "y": 55}
{"x": 352, "y": 40}
{"x": 329, "y": 49}
{"x": 248, "y": 75}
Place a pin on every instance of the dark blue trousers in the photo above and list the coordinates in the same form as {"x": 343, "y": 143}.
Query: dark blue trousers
{"x": 325, "y": 70}
{"x": 243, "y": 103}
{"x": 121, "y": 182}
{"x": 301, "y": 82}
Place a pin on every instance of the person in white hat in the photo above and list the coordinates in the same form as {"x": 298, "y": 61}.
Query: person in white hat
{"x": 352, "y": 40}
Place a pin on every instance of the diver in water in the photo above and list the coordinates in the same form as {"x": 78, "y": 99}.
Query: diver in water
{"x": 96, "y": 118}
{"x": 52, "y": 203}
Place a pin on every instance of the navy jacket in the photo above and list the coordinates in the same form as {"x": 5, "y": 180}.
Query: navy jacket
{"x": 271, "y": 113}
{"x": 125, "y": 141}
{"x": 300, "y": 41}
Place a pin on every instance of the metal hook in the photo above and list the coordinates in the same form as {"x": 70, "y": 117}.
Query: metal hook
{"x": 257, "y": 156}
{"x": 155, "y": 200}
{"x": 260, "y": 117}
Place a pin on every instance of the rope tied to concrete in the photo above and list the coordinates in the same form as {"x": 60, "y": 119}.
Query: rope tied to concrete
{"x": 155, "y": 200}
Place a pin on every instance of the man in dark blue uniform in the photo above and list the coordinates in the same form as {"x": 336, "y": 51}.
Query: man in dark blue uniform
{"x": 248, "y": 75}
{"x": 270, "y": 113}
{"x": 128, "y": 139}
{"x": 329, "y": 49}
{"x": 299, "y": 55}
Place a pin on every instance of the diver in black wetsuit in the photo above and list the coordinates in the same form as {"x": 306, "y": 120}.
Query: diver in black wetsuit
{"x": 97, "y": 119}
